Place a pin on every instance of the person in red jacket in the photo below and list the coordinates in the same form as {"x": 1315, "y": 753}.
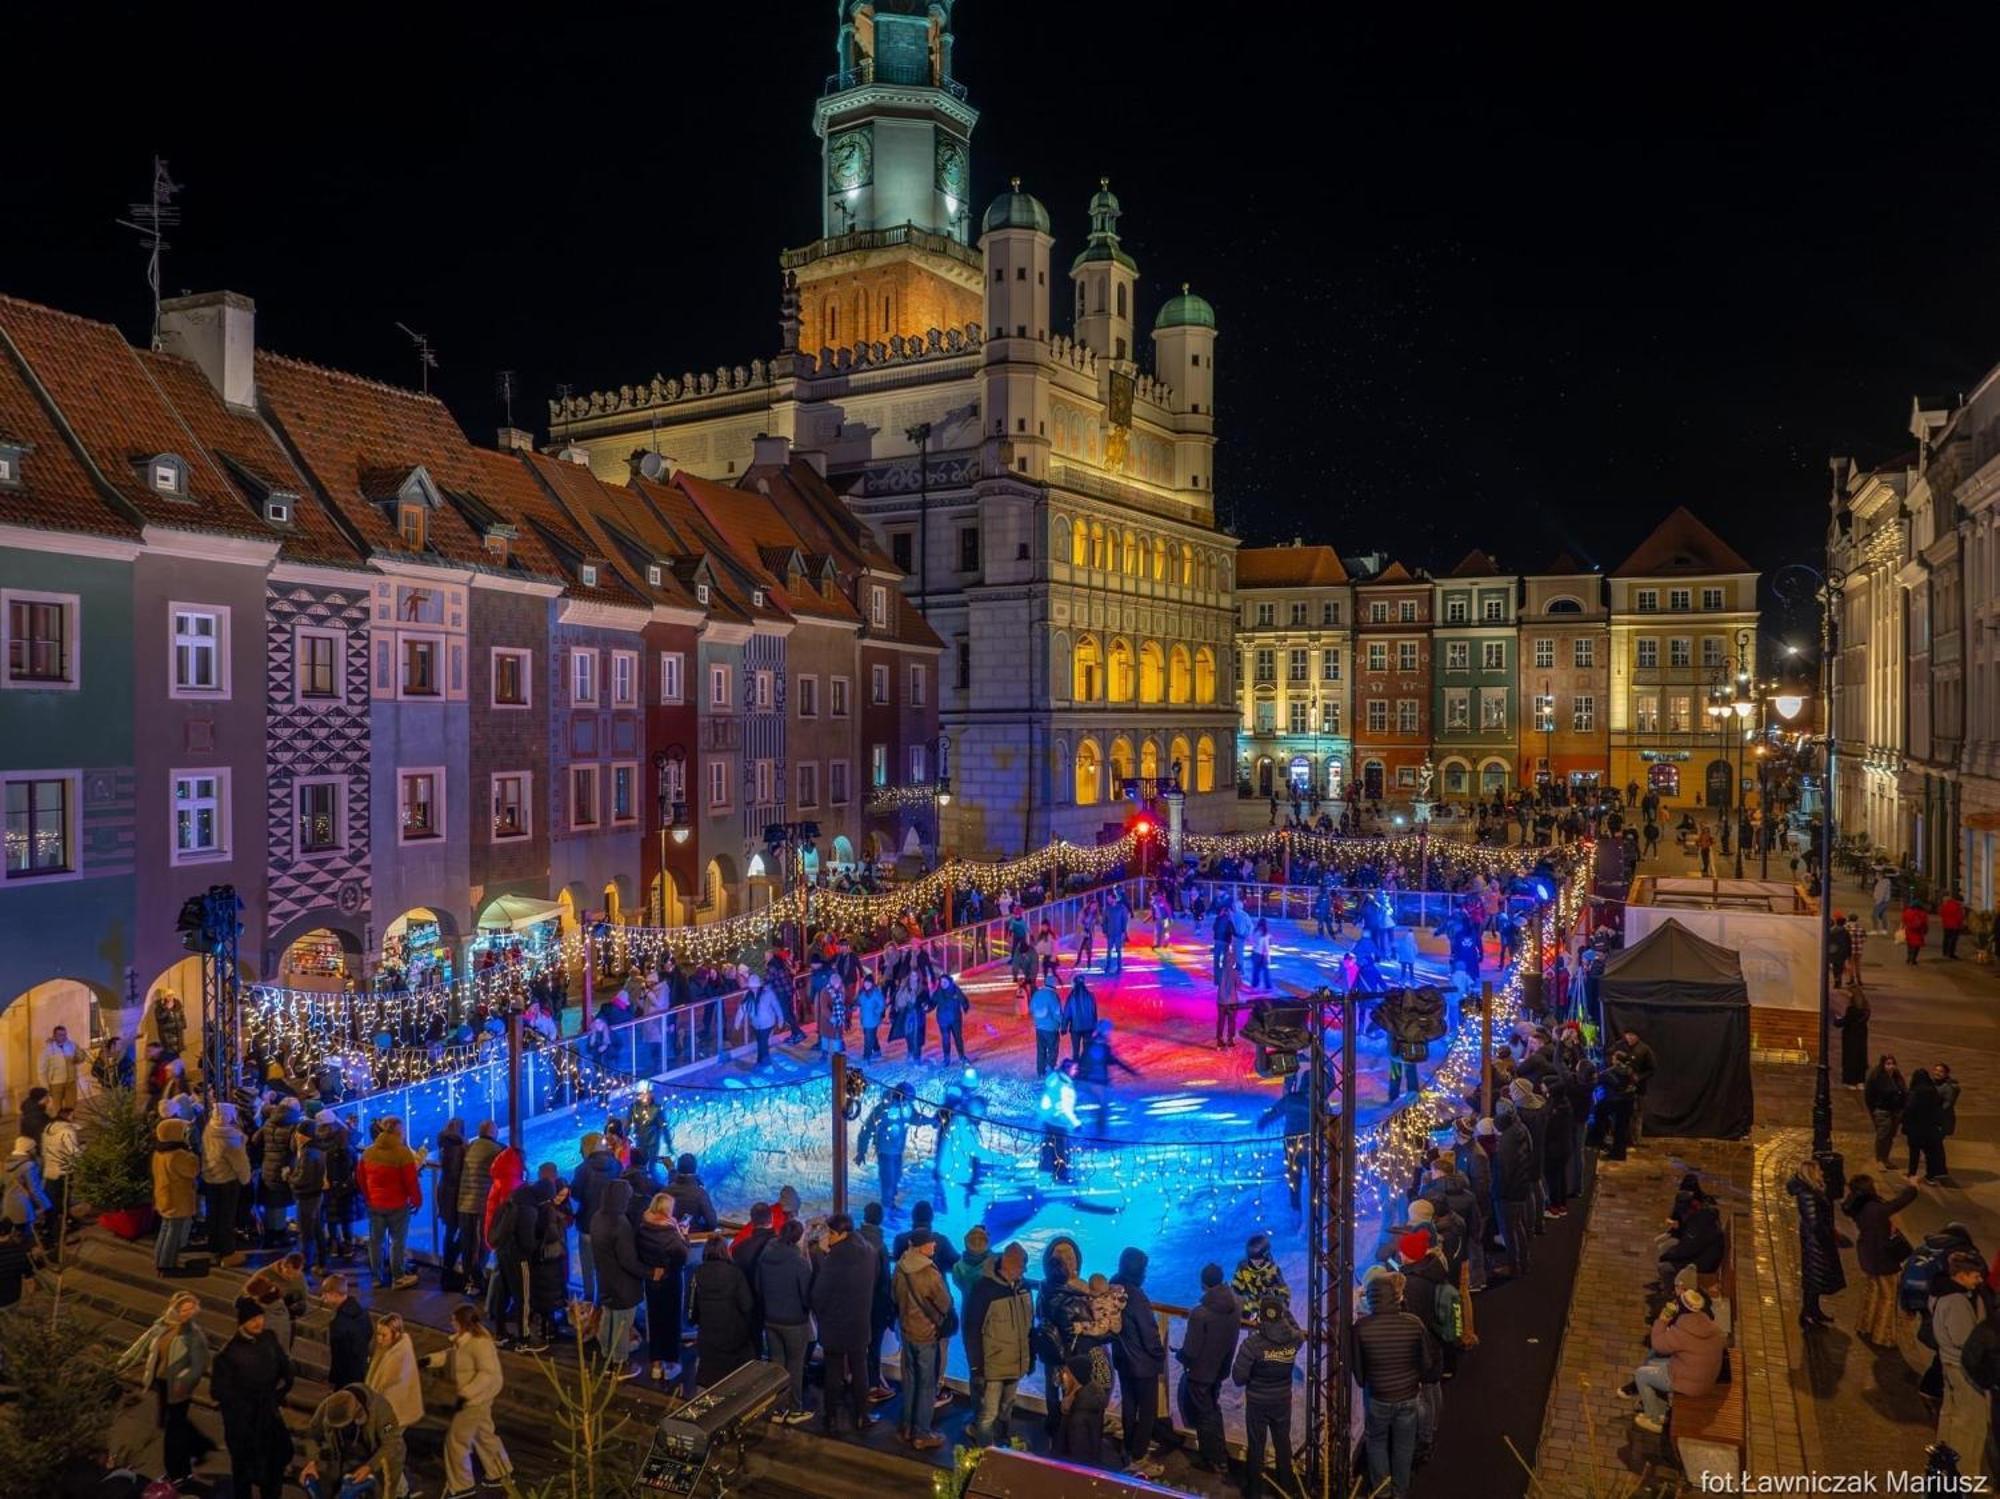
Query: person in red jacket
{"x": 1951, "y": 918}
{"x": 1916, "y": 926}
{"x": 390, "y": 1186}
{"x": 510, "y": 1169}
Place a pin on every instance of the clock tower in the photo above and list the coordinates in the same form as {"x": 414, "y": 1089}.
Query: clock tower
{"x": 894, "y": 254}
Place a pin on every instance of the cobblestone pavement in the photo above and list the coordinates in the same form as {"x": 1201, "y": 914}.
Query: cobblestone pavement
{"x": 1822, "y": 1402}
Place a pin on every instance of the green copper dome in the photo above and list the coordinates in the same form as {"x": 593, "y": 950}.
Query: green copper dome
{"x": 1185, "y": 311}
{"x": 1103, "y": 243}
{"x": 1015, "y": 209}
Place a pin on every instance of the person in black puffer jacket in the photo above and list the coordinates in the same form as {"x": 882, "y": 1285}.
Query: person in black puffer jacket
{"x": 1061, "y": 1305}
{"x": 843, "y": 1294}
{"x": 516, "y": 1246}
{"x": 1391, "y": 1353}
{"x": 451, "y": 1171}
{"x": 1698, "y": 1243}
{"x": 664, "y": 1253}
{"x": 691, "y": 1199}
{"x": 719, "y": 1308}
{"x": 621, "y": 1279}
{"x": 548, "y": 1275}
{"x": 1515, "y": 1176}
{"x": 1140, "y": 1357}
{"x": 1205, "y": 1354}
{"x": 274, "y": 1154}
{"x": 784, "y": 1291}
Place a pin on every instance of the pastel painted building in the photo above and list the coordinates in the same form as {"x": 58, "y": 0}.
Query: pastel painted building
{"x": 1475, "y": 706}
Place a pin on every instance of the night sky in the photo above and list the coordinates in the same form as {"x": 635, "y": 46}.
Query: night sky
{"x": 1478, "y": 282}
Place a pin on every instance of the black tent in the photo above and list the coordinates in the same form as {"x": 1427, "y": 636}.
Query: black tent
{"x": 1685, "y": 997}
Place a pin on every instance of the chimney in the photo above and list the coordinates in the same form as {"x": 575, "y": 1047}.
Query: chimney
{"x": 816, "y": 457}
{"x": 571, "y": 453}
{"x": 216, "y": 330}
{"x": 776, "y": 451}
{"x": 516, "y": 440}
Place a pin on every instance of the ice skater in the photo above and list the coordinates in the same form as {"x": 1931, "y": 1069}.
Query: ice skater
{"x": 1093, "y": 1073}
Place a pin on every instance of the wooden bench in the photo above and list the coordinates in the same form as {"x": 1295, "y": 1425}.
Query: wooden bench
{"x": 1707, "y": 1430}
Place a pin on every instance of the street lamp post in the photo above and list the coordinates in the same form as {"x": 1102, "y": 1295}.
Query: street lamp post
{"x": 940, "y": 799}
{"x": 791, "y": 840}
{"x": 673, "y": 818}
{"x": 1826, "y": 587}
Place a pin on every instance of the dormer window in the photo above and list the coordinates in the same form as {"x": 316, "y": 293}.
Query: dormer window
{"x": 587, "y": 574}
{"x": 757, "y": 597}
{"x": 167, "y": 475}
{"x": 411, "y": 526}
{"x": 10, "y": 465}
{"x": 496, "y": 547}
{"x": 701, "y": 593}
{"x": 278, "y": 509}
{"x": 655, "y": 575}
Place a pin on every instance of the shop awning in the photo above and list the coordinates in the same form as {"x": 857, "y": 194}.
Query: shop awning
{"x": 517, "y": 913}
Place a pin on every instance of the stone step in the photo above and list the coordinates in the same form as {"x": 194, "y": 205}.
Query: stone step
{"x": 112, "y": 1285}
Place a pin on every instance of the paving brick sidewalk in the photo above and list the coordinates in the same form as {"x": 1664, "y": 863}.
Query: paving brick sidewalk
{"x": 1822, "y": 1402}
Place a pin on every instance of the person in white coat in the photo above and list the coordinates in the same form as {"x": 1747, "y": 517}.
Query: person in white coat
{"x": 474, "y": 1361}
{"x": 61, "y": 1066}
{"x": 392, "y": 1374}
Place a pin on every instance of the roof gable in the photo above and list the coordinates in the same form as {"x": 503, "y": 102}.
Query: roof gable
{"x": 1475, "y": 564}
{"x": 111, "y": 408}
{"x": 1288, "y": 567}
{"x": 1682, "y": 544}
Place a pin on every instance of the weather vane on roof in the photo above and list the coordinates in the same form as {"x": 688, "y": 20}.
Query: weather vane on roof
{"x": 151, "y": 220}
{"x": 426, "y": 357}
{"x": 503, "y": 386}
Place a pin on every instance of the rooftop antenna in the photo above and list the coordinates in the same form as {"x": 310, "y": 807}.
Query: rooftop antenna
{"x": 426, "y": 359}
{"x": 503, "y": 384}
{"x": 151, "y": 220}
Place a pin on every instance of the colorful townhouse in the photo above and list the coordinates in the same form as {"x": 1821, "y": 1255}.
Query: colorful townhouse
{"x": 1392, "y": 683}
{"x": 1293, "y": 644}
{"x": 1565, "y": 677}
{"x": 1474, "y": 701}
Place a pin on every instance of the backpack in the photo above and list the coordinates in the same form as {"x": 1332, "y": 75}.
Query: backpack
{"x": 1448, "y": 1316}
{"x": 1980, "y": 1357}
{"x": 1923, "y": 1274}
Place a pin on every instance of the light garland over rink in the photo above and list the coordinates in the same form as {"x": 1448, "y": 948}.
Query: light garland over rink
{"x": 1445, "y": 855}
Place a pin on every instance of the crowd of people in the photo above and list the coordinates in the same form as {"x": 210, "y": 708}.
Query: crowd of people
{"x": 625, "y": 1247}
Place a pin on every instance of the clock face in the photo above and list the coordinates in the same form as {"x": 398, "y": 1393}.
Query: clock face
{"x": 952, "y": 167}
{"x": 850, "y": 161}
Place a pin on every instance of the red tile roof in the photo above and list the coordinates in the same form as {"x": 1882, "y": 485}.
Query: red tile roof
{"x": 1475, "y": 564}
{"x": 512, "y": 487}
{"x": 1288, "y": 567}
{"x": 56, "y": 492}
{"x": 611, "y": 517}
{"x": 1682, "y": 544}
{"x": 809, "y": 504}
{"x": 754, "y": 529}
{"x": 1395, "y": 572}
{"x": 119, "y": 417}
{"x": 733, "y": 575}
{"x": 254, "y": 461}
{"x": 353, "y": 434}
